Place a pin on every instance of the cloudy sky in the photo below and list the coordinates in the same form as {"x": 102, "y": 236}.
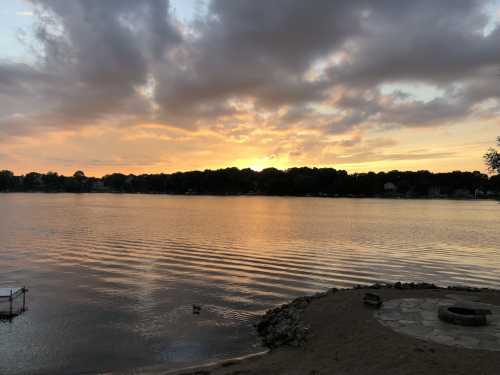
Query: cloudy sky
{"x": 148, "y": 86}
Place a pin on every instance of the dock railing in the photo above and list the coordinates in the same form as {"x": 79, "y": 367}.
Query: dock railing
{"x": 9, "y": 297}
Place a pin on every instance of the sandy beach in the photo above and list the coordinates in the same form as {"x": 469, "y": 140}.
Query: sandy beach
{"x": 345, "y": 337}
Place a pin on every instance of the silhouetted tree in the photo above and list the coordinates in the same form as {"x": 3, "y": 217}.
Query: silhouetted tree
{"x": 33, "y": 182}
{"x": 53, "y": 182}
{"x": 79, "y": 183}
{"x": 79, "y": 175}
{"x": 7, "y": 180}
{"x": 115, "y": 181}
{"x": 492, "y": 158}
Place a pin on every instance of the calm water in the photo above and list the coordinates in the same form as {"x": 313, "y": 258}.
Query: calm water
{"x": 112, "y": 278}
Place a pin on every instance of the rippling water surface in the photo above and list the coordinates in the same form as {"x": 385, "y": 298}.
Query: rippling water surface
{"x": 112, "y": 278}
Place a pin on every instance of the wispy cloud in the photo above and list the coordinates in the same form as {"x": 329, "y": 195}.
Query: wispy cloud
{"x": 25, "y": 14}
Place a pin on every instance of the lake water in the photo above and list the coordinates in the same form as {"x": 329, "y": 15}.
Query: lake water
{"x": 113, "y": 278}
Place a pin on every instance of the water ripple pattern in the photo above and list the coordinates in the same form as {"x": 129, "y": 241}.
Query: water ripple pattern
{"x": 113, "y": 278}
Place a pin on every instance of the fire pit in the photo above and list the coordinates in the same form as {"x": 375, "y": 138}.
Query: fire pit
{"x": 463, "y": 315}
{"x": 450, "y": 321}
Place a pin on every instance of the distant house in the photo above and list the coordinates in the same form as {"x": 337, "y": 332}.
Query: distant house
{"x": 389, "y": 187}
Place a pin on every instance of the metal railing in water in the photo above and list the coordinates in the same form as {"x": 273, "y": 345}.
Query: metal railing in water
{"x": 12, "y": 301}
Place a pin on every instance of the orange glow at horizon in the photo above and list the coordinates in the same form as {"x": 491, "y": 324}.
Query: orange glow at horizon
{"x": 155, "y": 149}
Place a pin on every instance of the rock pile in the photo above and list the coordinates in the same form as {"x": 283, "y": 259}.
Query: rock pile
{"x": 284, "y": 325}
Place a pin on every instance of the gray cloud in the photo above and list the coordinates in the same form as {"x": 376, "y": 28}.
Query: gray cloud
{"x": 249, "y": 49}
{"x": 432, "y": 41}
{"x": 246, "y": 49}
{"x": 131, "y": 61}
{"x": 93, "y": 58}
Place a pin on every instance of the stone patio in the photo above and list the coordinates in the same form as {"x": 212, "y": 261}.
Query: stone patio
{"x": 418, "y": 317}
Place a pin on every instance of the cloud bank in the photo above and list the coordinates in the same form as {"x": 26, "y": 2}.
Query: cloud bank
{"x": 305, "y": 82}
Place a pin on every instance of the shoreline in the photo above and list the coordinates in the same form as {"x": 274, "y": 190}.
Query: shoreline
{"x": 419, "y": 198}
{"x": 333, "y": 332}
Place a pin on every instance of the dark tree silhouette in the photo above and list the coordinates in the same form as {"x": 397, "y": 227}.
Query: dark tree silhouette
{"x": 492, "y": 159}
{"x": 53, "y": 182}
{"x": 7, "y": 180}
{"x": 79, "y": 175}
{"x": 301, "y": 181}
{"x": 33, "y": 182}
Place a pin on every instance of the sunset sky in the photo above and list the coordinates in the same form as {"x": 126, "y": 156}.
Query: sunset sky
{"x": 147, "y": 86}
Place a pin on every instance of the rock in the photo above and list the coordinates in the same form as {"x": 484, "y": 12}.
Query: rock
{"x": 284, "y": 325}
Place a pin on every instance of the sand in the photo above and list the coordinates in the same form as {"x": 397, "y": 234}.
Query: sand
{"x": 344, "y": 337}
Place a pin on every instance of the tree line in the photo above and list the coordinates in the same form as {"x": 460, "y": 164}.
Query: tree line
{"x": 271, "y": 181}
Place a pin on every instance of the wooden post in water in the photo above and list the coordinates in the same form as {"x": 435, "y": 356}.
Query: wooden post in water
{"x": 24, "y": 298}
